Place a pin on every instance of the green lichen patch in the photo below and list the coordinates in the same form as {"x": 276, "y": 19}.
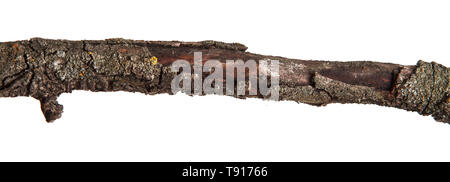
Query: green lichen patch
{"x": 304, "y": 94}
{"x": 426, "y": 91}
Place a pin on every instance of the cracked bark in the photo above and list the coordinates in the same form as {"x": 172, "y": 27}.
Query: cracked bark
{"x": 44, "y": 69}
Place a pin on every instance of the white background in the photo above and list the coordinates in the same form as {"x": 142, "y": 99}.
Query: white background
{"x": 134, "y": 127}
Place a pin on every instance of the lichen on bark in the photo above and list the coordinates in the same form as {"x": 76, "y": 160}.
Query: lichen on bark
{"x": 426, "y": 91}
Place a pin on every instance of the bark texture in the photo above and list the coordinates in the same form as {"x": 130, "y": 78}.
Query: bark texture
{"x": 44, "y": 69}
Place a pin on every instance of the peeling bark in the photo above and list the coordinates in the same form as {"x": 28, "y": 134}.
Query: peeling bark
{"x": 44, "y": 69}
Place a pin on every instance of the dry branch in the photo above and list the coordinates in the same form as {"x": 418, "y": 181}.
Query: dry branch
{"x": 44, "y": 69}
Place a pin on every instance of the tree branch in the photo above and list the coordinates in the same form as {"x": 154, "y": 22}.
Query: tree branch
{"x": 44, "y": 69}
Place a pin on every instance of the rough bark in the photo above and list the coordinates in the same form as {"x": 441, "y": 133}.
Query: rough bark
{"x": 44, "y": 69}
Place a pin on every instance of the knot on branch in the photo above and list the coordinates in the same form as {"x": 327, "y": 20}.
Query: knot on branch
{"x": 426, "y": 91}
